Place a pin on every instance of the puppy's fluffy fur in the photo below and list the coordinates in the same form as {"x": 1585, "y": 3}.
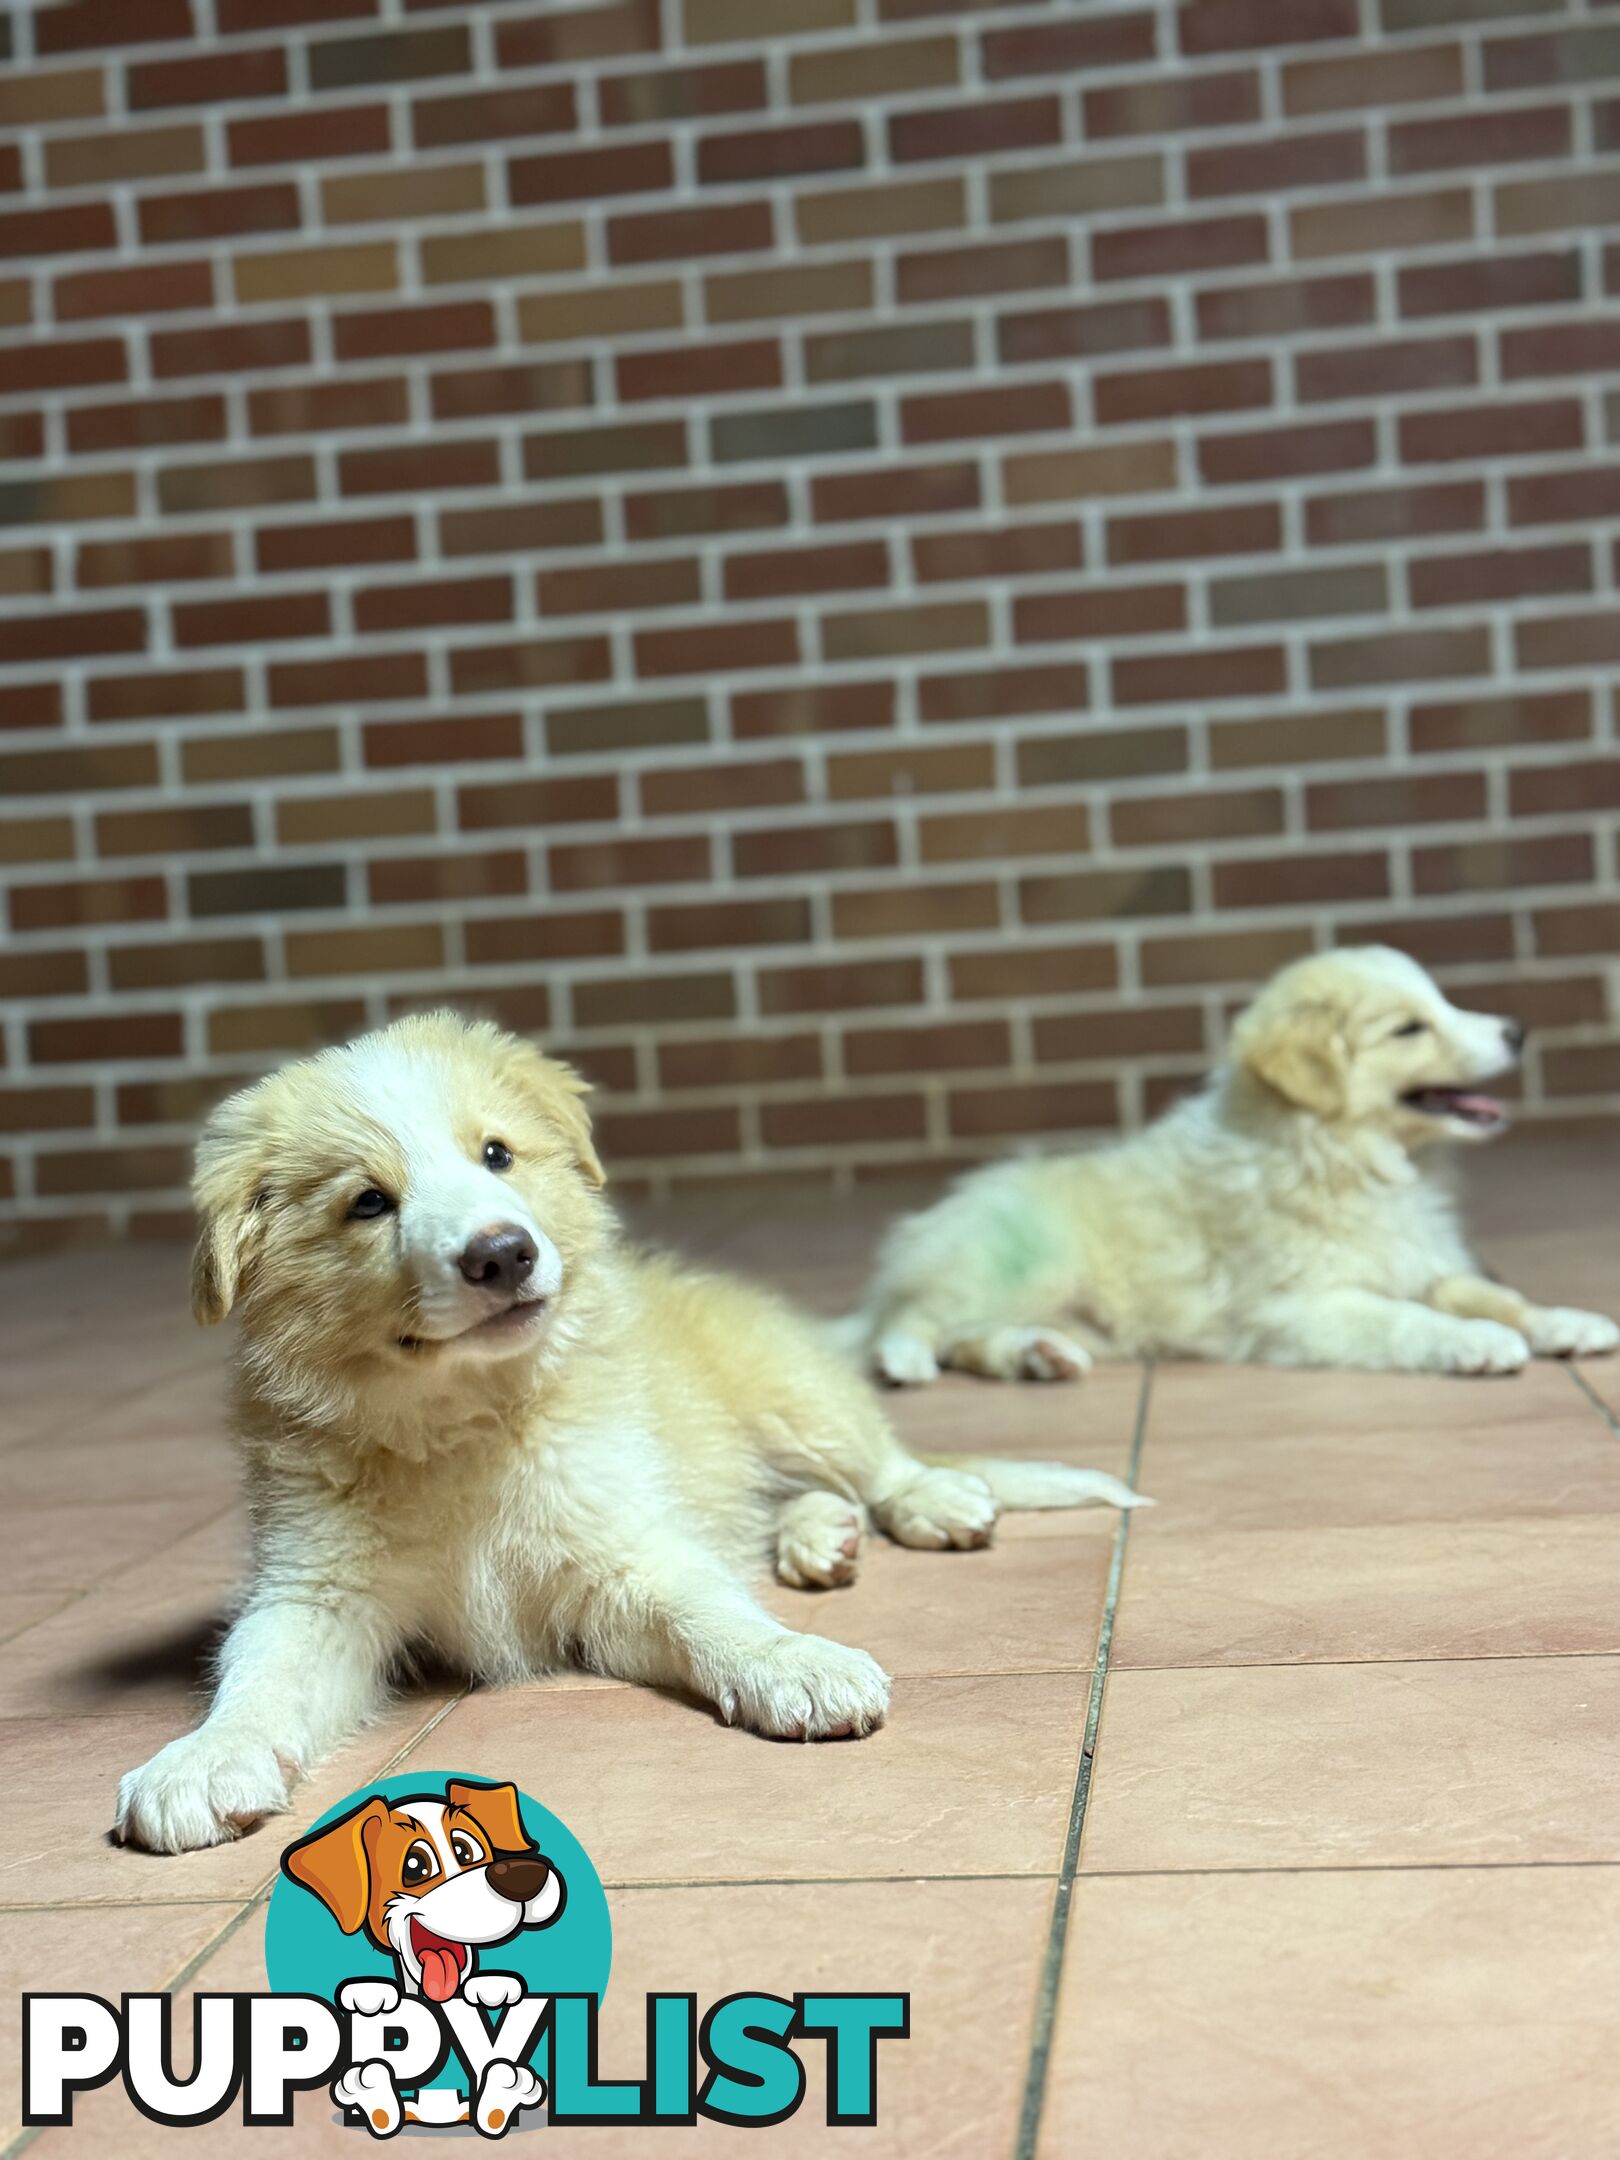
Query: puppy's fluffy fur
{"x": 1281, "y": 1216}
{"x": 581, "y": 1460}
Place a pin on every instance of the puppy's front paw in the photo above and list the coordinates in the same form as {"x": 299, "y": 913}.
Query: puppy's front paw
{"x": 818, "y": 1541}
{"x": 1566, "y": 1331}
{"x": 369, "y": 2088}
{"x": 904, "y": 1360}
{"x": 1482, "y": 1346}
{"x": 368, "y": 1998}
{"x": 506, "y": 2087}
{"x": 202, "y": 1789}
{"x": 802, "y": 1687}
{"x": 492, "y": 1990}
{"x": 940, "y": 1508}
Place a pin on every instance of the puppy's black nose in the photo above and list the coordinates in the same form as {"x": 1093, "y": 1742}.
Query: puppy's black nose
{"x": 501, "y": 1258}
{"x": 1515, "y": 1031}
{"x": 519, "y": 1879}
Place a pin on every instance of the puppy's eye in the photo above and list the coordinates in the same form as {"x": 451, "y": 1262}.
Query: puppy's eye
{"x": 497, "y": 1155}
{"x": 419, "y": 1864}
{"x": 466, "y": 1852}
{"x": 1412, "y": 1027}
{"x": 367, "y": 1206}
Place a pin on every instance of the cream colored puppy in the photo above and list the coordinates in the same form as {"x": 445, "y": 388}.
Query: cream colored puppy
{"x": 1283, "y": 1216}
{"x": 470, "y": 1418}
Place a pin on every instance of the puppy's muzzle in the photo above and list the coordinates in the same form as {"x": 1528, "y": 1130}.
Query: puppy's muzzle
{"x": 500, "y": 1258}
{"x": 518, "y": 1880}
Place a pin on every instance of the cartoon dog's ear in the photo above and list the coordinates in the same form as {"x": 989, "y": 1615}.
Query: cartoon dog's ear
{"x": 1300, "y": 1050}
{"x": 336, "y": 1863}
{"x": 494, "y": 1808}
{"x": 226, "y": 1189}
{"x": 558, "y": 1092}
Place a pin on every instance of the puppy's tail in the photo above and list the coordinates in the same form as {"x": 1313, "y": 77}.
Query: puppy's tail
{"x": 1043, "y": 1484}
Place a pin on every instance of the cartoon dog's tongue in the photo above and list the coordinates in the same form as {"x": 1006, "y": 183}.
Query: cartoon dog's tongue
{"x": 441, "y": 1962}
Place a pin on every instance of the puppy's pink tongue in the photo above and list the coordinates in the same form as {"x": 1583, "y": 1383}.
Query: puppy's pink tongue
{"x": 441, "y": 1969}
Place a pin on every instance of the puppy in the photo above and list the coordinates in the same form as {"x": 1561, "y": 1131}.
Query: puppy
{"x": 1282, "y": 1216}
{"x": 472, "y": 1419}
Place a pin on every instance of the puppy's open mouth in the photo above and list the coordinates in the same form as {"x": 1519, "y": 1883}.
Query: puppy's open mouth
{"x": 1464, "y": 1105}
{"x": 511, "y": 1320}
{"x": 443, "y": 1962}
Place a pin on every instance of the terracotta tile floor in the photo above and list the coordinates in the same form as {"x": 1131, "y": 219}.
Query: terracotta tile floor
{"x": 1340, "y": 1877}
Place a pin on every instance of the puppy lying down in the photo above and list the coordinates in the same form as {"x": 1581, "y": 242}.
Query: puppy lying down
{"x": 1282, "y": 1216}
{"x": 472, "y": 1419}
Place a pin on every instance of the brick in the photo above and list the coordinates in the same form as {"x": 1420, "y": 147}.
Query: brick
{"x": 392, "y": 949}
{"x": 723, "y": 1061}
{"x": 304, "y": 273}
{"x": 1583, "y": 929}
{"x": 1299, "y": 595}
{"x": 1168, "y": 248}
{"x": 934, "y": 770}
{"x": 167, "y": 558}
{"x": 1167, "y": 104}
{"x": 255, "y": 756}
{"x": 92, "y": 900}
{"x": 581, "y": 934}
{"x": 658, "y": 1133}
{"x": 1016, "y": 409}
{"x": 1059, "y": 687}
{"x": 1296, "y": 881}
{"x": 230, "y": 348}
{"x": 348, "y": 681}
{"x": 49, "y": 1109}
{"x": 462, "y": 740}
{"x": 351, "y": 402}
{"x": 1232, "y": 957}
{"x": 35, "y": 704}
{"x": 786, "y": 290}
{"x": 974, "y": 130}
{"x": 871, "y": 68}
{"x": 1564, "y": 496}
{"x": 1001, "y": 551}
{"x": 712, "y": 923}
{"x": 1137, "y": 468}
{"x": 531, "y": 664}
{"x": 1573, "y": 347}
{"x": 792, "y": 431}
{"x": 1404, "y": 74}
{"x": 878, "y": 213}
{"x": 211, "y": 79}
{"x": 947, "y": 1046}
{"x": 635, "y": 724}
{"x": 770, "y": 574}
{"x": 392, "y": 192}
{"x": 843, "y": 1121}
{"x": 431, "y": 604}
{"x": 696, "y": 790}
{"x": 909, "y": 349}
{"x": 1084, "y": 332}
{"x": 1286, "y": 452}
{"x": 218, "y": 213}
{"x": 1090, "y": 895}
{"x": 640, "y": 446}
{"x": 1193, "y": 677}
{"x": 1197, "y": 387}
{"x": 1492, "y": 135}
{"x": 668, "y": 235}
{"x": 178, "y": 967}
{"x": 235, "y": 484}
{"x": 439, "y": 326}
{"x": 1264, "y": 165}
{"x": 310, "y": 135}
{"x": 503, "y": 251}
{"x": 123, "y": 154}
{"x": 1079, "y": 188}
{"x": 1214, "y": 26}
{"x": 839, "y": 988}
{"x": 1559, "y": 641}
{"x": 592, "y": 865}
{"x": 1119, "y": 1031}
{"x": 404, "y": 469}
{"x": 241, "y": 1030}
{"x": 1385, "y": 368}
{"x": 1480, "y": 430}
{"x": 619, "y": 587}
{"x": 1038, "y": 971}
{"x": 1068, "y": 1107}
{"x": 103, "y": 1170}
{"x": 62, "y": 366}
{"x": 1581, "y": 1069}
{"x": 287, "y": 887}
{"x": 520, "y": 528}
{"x": 180, "y": 830}
{"x": 699, "y": 371}
{"x": 1575, "y": 55}
{"x": 913, "y": 909}
{"x": 1556, "y": 790}
{"x": 1400, "y": 656}
{"x": 84, "y": 25}
{"x": 543, "y": 386}
{"x": 811, "y": 709}
{"x": 234, "y": 16}
{"x": 317, "y": 820}
{"x": 899, "y": 491}
{"x": 1281, "y": 307}
{"x": 62, "y": 636}
{"x": 31, "y": 97}
{"x": 191, "y": 693}
{"x": 389, "y": 57}
{"x": 114, "y": 1035}
{"x": 1395, "y": 513}
{"x": 561, "y": 36}
{"x": 1001, "y": 266}
{"x": 412, "y": 880}
{"x": 946, "y": 626}
{"x": 640, "y": 1000}
{"x": 1206, "y": 814}
{"x": 1473, "y": 285}
{"x": 1503, "y": 865}
{"x": 702, "y": 92}
{"x": 1499, "y": 574}
{"x": 1099, "y": 611}
{"x": 814, "y": 850}
{"x": 145, "y": 423}
{"x": 1176, "y": 535}
{"x": 42, "y": 974}
{"x": 995, "y": 833}
{"x": 27, "y": 570}
{"x": 75, "y": 498}
{"x": 777, "y": 152}
{"x": 1500, "y": 722}
{"x": 586, "y": 175}
{"x": 484, "y": 116}
{"x": 251, "y": 621}
{"x": 714, "y": 647}
{"x": 1367, "y": 225}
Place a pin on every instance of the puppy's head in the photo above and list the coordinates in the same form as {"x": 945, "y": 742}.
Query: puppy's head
{"x": 1365, "y": 1037}
{"x": 429, "y": 1879}
{"x": 415, "y": 1201}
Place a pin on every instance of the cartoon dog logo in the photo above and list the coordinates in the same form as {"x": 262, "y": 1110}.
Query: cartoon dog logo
{"x": 431, "y": 1880}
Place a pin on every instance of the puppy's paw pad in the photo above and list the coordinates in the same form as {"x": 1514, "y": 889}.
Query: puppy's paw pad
{"x": 904, "y": 1360}
{"x": 492, "y": 1990}
{"x": 202, "y": 1789}
{"x": 1043, "y": 1354}
{"x": 368, "y": 1998}
{"x": 506, "y": 2088}
{"x": 1485, "y": 1346}
{"x": 1566, "y": 1331}
{"x": 368, "y": 2087}
{"x": 804, "y": 1687}
{"x": 818, "y": 1544}
{"x": 941, "y": 1508}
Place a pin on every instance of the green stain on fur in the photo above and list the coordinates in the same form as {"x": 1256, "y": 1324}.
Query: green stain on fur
{"x": 1018, "y": 1245}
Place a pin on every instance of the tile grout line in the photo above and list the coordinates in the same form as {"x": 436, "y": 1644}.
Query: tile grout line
{"x": 1040, "y": 2052}
{"x": 1583, "y": 1386}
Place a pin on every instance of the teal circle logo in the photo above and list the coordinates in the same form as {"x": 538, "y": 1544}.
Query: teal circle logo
{"x": 434, "y": 1882}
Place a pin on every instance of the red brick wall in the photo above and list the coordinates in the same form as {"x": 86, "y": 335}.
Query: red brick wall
{"x": 867, "y": 583}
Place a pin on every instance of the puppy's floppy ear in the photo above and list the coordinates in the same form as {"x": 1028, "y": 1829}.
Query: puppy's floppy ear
{"x": 336, "y": 1863}
{"x": 1300, "y": 1050}
{"x": 495, "y": 1809}
{"x": 226, "y": 1190}
{"x": 558, "y": 1092}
